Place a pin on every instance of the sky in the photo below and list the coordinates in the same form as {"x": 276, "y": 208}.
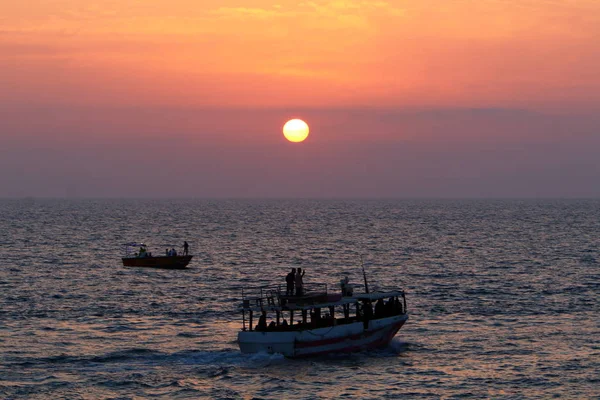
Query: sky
{"x": 181, "y": 98}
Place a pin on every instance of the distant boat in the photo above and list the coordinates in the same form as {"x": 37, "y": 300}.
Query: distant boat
{"x": 142, "y": 258}
{"x": 327, "y": 322}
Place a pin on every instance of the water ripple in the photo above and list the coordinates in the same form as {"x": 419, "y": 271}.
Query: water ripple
{"x": 502, "y": 294}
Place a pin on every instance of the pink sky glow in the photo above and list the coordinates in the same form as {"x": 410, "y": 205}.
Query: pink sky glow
{"x": 404, "y": 99}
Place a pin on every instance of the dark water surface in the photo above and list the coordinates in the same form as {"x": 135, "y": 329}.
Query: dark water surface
{"x": 503, "y": 298}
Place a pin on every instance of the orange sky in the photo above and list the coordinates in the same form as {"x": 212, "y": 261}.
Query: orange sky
{"x": 321, "y": 53}
{"x": 486, "y": 98}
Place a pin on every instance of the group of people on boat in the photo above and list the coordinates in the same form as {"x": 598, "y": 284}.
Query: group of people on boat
{"x": 386, "y": 309}
{"x": 295, "y": 283}
{"x": 364, "y": 312}
{"x": 294, "y": 280}
{"x": 173, "y": 252}
{"x": 142, "y": 253}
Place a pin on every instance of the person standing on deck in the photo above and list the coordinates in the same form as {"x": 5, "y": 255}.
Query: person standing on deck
{"x": 186, "y": 248}
{"x": 289, "y": 280}
{"x": 299, "y": 282}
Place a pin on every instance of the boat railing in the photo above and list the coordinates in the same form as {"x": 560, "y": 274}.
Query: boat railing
{"x": 276, "y": 296}
{"x": 261, "y": 296}
{"x": 379, "y": 289}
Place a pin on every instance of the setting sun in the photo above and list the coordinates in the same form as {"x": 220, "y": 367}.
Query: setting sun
{"x": 295, "y": 130}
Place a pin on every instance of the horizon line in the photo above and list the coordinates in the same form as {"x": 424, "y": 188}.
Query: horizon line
{"x": 300, "y": 198}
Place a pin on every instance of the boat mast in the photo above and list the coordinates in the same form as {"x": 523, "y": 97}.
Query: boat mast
{"x": 362, "y": 264}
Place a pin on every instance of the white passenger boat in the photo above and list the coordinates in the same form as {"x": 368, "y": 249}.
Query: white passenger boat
{"x": 326, "y": 322}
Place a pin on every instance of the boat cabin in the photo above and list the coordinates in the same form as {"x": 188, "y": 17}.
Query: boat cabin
{"x": 269, "y": 309}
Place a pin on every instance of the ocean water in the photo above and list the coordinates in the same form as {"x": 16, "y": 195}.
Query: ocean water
{"x": 503, "y": 298}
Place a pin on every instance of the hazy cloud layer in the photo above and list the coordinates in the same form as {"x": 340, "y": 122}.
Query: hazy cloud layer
{"x": 350, "y": 153}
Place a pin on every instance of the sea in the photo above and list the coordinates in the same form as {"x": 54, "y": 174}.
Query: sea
{"x": 503, "y": 297}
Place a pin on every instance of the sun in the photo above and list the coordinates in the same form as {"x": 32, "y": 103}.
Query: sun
{"x": 295, "y": 130}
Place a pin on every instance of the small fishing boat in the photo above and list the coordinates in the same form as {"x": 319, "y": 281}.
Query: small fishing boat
{"x": 328, "y": 322}
{"x": 142, "y": 258}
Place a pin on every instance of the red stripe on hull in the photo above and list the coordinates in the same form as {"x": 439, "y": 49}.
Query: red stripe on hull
{"x": 352, "y": 348}
{"x": 324, "y": 342}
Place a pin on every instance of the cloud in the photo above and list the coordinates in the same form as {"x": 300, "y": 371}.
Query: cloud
{"x": 245, "y": 12}
{"x": 351, "y": 52}
{"x": 354, "y": 7}
{"x": 319, "y": 15}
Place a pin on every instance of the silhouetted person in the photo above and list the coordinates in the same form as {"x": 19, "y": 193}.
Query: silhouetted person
{"x": 390, "y": 307}
{"x": 379, "y": 308}
{"x": 299, "y": 282}
{"x": 367, "y": 313}
{"x": 346, "y": 287}
{"x": 289, "y": 281}
{"x": 186, "y": 248}
{"x": 262, "y": 322}
{"x": 272, "y": 325}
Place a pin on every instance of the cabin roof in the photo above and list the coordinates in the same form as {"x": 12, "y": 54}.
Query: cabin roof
{"x": 291, "y": 306}
{"x": 378, "y": 295}
{"x": 294, "y": 306}
{"x": 343, "y": 300}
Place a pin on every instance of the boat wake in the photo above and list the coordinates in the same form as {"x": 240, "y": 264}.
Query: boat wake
{"x": 263, "y": 359}
{"x": 397, "y": 346}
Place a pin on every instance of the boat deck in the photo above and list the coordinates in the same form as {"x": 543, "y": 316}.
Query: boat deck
{"x": 273, "y": 298}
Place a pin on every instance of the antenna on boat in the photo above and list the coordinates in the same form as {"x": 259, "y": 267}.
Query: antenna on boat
{"x": 362, "y": 264}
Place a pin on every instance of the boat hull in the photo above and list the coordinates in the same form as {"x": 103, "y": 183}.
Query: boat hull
{"x": 336, "y": 339}
{"x": 176, "y": 262}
